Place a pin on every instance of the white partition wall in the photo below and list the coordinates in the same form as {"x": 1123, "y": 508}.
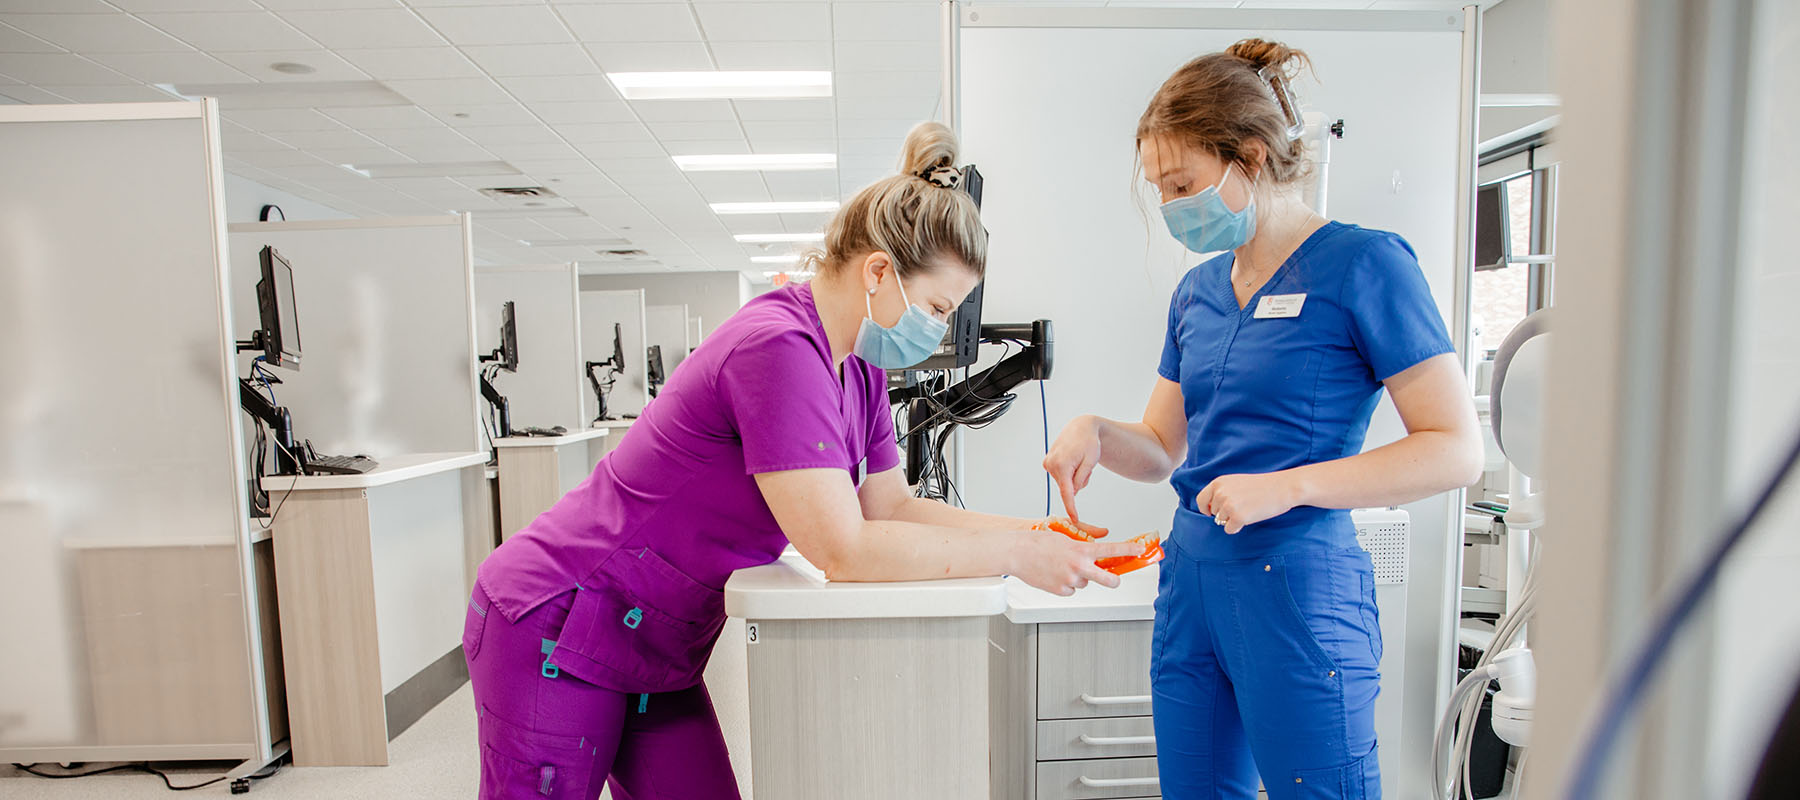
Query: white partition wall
{"x": 548, "y": 387}
{"x": 668, "y": 326}
{"x": 127, "y": 567}
{"x": 1047, "y": 105}
{"x": 600, "y": 311}
{"x": 386, "y": 319}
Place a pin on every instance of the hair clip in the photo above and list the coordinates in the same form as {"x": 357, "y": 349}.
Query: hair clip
{"x": 947, "y": 177}
{"x": 1283, "y": 95}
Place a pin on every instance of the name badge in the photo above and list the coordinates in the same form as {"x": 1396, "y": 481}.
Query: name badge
{"x": 1280, "y": 306}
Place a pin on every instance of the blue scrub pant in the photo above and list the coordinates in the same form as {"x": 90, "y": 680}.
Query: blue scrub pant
{"x": 1269, "y": 667}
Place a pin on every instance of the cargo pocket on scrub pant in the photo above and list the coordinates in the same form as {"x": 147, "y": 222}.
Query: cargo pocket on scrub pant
{"x": 1354, "y": 781}
{"x": 521, "y": 763}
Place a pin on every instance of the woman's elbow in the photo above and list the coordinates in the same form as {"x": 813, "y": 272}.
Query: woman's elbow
{"x": 1468, "y": 460}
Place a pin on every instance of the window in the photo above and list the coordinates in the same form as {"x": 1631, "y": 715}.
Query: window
{"x": 1501, "y": 297}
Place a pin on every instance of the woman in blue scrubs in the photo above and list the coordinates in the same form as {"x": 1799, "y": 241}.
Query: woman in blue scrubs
{"x": 1266, "y": 648}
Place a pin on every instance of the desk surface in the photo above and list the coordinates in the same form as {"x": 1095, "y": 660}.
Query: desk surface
{"x": 1131, "y": 601}
{"x": 792, "y": 588}
{"x": 552, "y": 441}
{"x": 614, "y": 424}
{"x": 393, "y": 469}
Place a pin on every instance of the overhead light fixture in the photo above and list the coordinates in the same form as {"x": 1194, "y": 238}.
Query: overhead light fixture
{"x": 456, "y": 169}
{"x": 1489, "y": 100}
{"x": 720, "y": 85}
{"x": 779, "y": 238}
{"x": 755, "y": 162}
{"x": 788, "y": 207}
{"x": 788, "y": 259}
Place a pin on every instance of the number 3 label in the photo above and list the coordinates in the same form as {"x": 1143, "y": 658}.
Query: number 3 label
{"x": 750, "y": 632}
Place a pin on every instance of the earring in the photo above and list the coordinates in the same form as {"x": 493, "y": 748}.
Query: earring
{"x": 871, "y": 292}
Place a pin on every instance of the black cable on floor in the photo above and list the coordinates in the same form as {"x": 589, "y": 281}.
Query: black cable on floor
{"x": 145, "y": 768}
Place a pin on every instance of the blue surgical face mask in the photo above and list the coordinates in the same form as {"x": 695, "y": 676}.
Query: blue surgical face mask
{"x": 910, "y": 341}
{"x": 1203, "y": 223}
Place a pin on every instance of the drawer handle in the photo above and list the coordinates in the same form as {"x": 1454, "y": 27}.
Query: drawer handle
{"x": 1116, "y": 741}
{"x": 1121, "y": 700}
{"x": 1116, "y": 783}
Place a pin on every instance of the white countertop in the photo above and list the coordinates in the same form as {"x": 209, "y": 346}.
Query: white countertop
{"x": 392, "y": 469}
{"x": 792, "y": 588}
{"x": 552, "y": 441}
{"x": 614, "y": 424}
{"x": 1131, "y": 601}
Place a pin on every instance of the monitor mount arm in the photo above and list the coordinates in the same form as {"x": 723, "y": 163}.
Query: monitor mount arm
{"x": 257, "y": 341}
{"x": 601, "y": 389}
{"x": 503, "y": 415}
{"x": 287, "y": 452}
{"x": 975, "y": 394}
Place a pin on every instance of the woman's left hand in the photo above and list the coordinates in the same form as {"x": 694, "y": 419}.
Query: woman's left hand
{"x": 1234, "y": 501}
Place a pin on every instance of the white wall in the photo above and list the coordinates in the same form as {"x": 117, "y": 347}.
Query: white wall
{"x": 711, "y": 296}
{"x": 600, "y": 310}
{"x": 1516, "y": 50}
{"x": 244, "y": 199}
{"x": 547, "y": 389}
{"x": 1757, "y": 636}
{"x": 667, "y": 326}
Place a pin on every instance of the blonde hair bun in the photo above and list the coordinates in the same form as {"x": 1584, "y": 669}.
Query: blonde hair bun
{"x": 1263, "y": 54}
{"x": 929, "y": 146}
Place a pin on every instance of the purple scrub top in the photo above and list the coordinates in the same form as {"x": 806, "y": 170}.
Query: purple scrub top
{"x": 649, "y": 539}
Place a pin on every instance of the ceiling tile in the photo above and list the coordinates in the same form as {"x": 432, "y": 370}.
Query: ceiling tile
{"x": 651, "y": 56}
{"x": 13, "y": 40}
{"x": 62, "y": 69}
{"x": 606, "y": 132}
{"x": 373, "y": 118}
{"x": 240, "y": 140}
{"x": 570, "y": 88}
{"x": 786, "y": 144}
{"x": 96, "y": 33}
{"x": 187, "y": 67}
{"x": 705, "y": 147}
{"x": 436, "y": 136}
{"x": 576, "y": 113}
{"x": 364, "y": 28}
{"x": 486, "y": 114}
{"x": 810, "y": 185}
{"x": 813, "y": 129}
{"x": 558, "y": 166}
{"x": 436, "y": 3}
{"x": 631, "y": 22}
{"x": 690, "y": 131}
{"x": 358, "y": 155}
{"x": 274, "y": 158}
{"x": 684, "y": 110}
{"x": 308, "y": 140}
{"x": 896, "y": 22}
{"x": 917, "y": 107}
{"x": 140, "y": 6}
{"x": 232, "y": 32}
{"x": 612, "y": 150}
{"x": 877, "y": 56}
{"x": 874, "y": 128}
{"x": 773, "y": 55}
{"x": 400, "y": 63}
{"x": 533, "y": 150}
{"x": 283, "y": 119}
{"x": 586, "y": 186}
{"x": 895, "y": 83}
{"x": 885, "y": 147}
{"x": 489, "y": 135}
{"x": 443, "y": 153}
{"x": 135, "y": 93}
{"x": 327, "y": 65}
{"x": 822, "y": 108}
{"x": 720, "y": 187}
{"x": 514, "y": 60}
{"x": 765, "y": 22}
{"x": 490, "y": 25}
{"x": 326, "y": 5}
{"x": 450, "y": 91}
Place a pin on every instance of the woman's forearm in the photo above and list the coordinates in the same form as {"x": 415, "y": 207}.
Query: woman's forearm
{"x": 892, "y": 550}
{"x": 1418, "y": 466}
{"x": 933, "y": 512}
{"x": 1133, "y": 450}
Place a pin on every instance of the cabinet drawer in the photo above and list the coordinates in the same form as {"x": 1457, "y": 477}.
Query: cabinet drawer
{"x": 1065, "y": 739}
{"x": 1105, "y": 778}
{"x": 1094, "y": 669}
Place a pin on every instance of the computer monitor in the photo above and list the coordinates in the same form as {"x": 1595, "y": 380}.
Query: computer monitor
{"x": 618, "y": 347}
{"x": 961, "y": 341}
{"x": 509, "y": 339}
{"x": 653, "y": 371}
{"x": 1493, "y": 228}
{"x": 279, "y": 337}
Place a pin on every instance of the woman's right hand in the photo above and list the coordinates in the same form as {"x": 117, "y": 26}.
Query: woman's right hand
{"x": 1072, "y": 459}
{"x": 1059, "y": 565}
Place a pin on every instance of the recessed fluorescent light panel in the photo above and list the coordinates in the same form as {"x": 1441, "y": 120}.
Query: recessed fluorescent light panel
{"x": 719, "y": 85}
{"x": 758, "y": 163}
{"x": 779, "y": 238}
{"x": 460, "y": 169}
{"x": 802, "y": 207}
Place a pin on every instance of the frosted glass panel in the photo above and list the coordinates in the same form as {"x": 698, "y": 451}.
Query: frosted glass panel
{"x": 118, "y": 485}
{"x": 384, "y": 314}
{"x": 547, "y": 388}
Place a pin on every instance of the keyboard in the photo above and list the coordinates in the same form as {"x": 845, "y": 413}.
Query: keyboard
{"x": 339, "y": 465}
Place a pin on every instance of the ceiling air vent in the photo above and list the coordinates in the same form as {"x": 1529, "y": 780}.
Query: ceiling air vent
{"x": 622, "y": 254}
{"x": 518, "y": 191}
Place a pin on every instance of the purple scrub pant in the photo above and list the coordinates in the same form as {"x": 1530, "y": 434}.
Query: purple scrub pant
{"x": 546, "y": 734}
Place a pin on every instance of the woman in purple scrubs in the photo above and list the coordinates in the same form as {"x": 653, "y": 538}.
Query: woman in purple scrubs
{"x": 588, "y": 631}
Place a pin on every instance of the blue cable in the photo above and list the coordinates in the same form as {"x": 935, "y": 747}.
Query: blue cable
{"x": 1045, "y": 406}
{"x": 1625, "y": 693}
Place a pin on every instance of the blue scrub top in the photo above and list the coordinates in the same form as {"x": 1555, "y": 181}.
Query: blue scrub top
{"x": 1264, "y": 395}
